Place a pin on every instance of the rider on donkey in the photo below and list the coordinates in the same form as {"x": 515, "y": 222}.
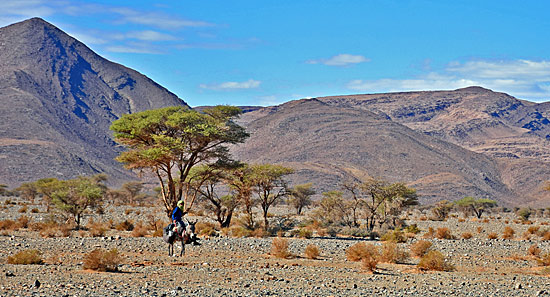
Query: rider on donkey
{"x": 177, "y": 217}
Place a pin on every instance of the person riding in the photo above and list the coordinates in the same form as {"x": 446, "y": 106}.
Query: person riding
{"x": 177, "y": 217}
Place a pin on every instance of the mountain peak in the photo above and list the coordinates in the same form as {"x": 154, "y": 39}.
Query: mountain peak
{"x": 474, "y": 89}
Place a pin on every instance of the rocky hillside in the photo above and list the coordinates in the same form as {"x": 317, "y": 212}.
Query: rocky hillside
{"x": 432, "y": 140}
{"x": 57, "y": 100}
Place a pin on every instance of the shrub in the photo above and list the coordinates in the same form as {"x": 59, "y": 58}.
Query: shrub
{"x": 312, "y": 252}
{"x": 279, "y": 248}
{"x": 51, "y": 228}
{"x": 412, "y": 229}
{"x": 545, "y": 235}
{"x": 96, "y": 229}
{"x": 533, "y": 229}
{"x": 206, "y": 228}
{"x": 361, "y": 250}
{"x": 534, "y": 250}
{"x": 305, "y": 233}
{"x": 26, "y": 257}
{"x": 239, "y": 231}
{"x": 139, "y": 231}
{"x": 369, "y": 263}
{"x": 479, "y": 229}
{"x": 23, "y": 222}
{"x": 259, "y": 233}
{"x": 421, "y": 247}
{"x": 429, "y": 233}
{"x": 443, "y": 233}
{"x": 544, "y": 260}
{"x": 467, "y": 235}
{"x": 524, "y": 214}
{"x": 125, "y": 225}
{"x": 8, "y": 225}
{"x": 434, "y": 260}
{"x": 395, "y": 235}
{"x": 355, "y": 232}
{"x": 35, "y": 210}
{"x": 127, "y": 211}
{"x": 492, "y": 235}
{"x": 102, "y": 260}
{"x": 508, "y": 233}
{"x": 23, "y": 209}
{"x": 461, "y": 220}
{"x": 391, "y": 253}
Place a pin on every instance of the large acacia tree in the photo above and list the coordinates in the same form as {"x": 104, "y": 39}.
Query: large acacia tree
{"x": 170, "y": 141}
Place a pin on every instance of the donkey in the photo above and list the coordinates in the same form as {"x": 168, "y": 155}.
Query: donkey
{"x": 186, "y": 236}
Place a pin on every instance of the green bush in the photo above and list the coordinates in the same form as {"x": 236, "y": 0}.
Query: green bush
{"x": 26, "y": 257}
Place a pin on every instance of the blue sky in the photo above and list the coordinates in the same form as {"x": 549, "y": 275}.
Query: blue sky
{"x": 268, "y": 52}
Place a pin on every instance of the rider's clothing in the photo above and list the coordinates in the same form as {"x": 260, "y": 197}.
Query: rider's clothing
{"x": 177, "y": 217}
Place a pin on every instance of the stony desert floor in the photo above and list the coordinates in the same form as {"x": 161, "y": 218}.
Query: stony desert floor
{"x": 226, "y": 266}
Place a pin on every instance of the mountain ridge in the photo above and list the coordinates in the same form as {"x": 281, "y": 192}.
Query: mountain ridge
{"x": 58, "y": 100}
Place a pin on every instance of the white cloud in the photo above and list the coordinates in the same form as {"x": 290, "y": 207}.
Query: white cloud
{"x": 340, "y": 60}
{"x": 520, "y": 78}
{"x": 133, "y": 49}
{"x": 156, "y": 19}
{"x": 231, "y": 85}
{"x": 150, "y": 35}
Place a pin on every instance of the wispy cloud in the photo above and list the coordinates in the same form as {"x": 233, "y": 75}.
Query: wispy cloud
{"x": 521, "y": 78}
{"x": 231, "y": 85}
{"x": 134, "y": 48}
{"x": 340, "y": 60}
{"x": 150, "y": 35}
{"x": 156, "y": 19}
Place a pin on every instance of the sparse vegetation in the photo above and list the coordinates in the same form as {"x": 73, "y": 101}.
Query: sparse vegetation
{"x": 395, "y": 236}
{"x": 26, "y": 257}
{"x": 534, "y": 250}
{"x": 421, "y": 247}
{"x": 391, "y": 253}
{"x": 492, "y": 235}
{"x": 434, "y": 260}
{"x": 544, "y": 260}
{"x": 466, "y": 235}
{"x": 443, "y": 233}
{"x": 102, "y": 260}
{"x": 279, "y": 248}
{"x": 508, "y": 233}
{"x": 311, "y": 252}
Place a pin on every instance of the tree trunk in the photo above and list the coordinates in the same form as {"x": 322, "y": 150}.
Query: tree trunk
{"x": 227, "y": 220}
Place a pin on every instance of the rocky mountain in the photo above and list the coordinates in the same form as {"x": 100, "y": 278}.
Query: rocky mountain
{"x": 447, "y": 144}
{"x": 57, "y": 101}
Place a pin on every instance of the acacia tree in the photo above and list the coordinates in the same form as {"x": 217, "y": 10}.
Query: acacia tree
{"x": 381, "y": 200}
{"x": 269, "y": 185}
{"x": 300, "y": 196}
{"x": 76, "y": 195}
{"x": 28, "y": 191}
{"x": 477, "y": 206}
{"x": 170, "y": 141}
{"x": 205, "y": 181}
{"x": 333, "y": 209}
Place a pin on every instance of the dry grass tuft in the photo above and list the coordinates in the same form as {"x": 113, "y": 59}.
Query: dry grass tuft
{"x": 443, "y": 233}
{"x": 206, "y": 228}
{"x": 391, "y": 253}
{"x": 10, "y": 225}
{"x": 102, "y": 260}
{"x": 96, "y": 229}
{"x": 361, "y": 250}
{"x": 479, "y": 229}
{"x": 369, "y": 263}
{"x": 534, "y": 250}
{"x": 139, "y": 231}
{"x": 125, "y": 225}
{"x": 492, "y": 235}
{"x": 50, "y": 228}
{"x": 430, "y": 233}
{"x": 508, "y": 233}
{"x": 533, "y": 229}
{"x": 312, "y": 252}
{"x": 421, "y": 247}
{"x": 279, "y": 248}
{"x": 544, "y": 260}
{"x": 434, "y": 260}
{"x": 466, "y": 235}
{"x": 26, "y": 257}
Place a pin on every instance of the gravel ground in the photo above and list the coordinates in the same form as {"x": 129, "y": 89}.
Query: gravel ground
{"x": 224, "y": 266}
